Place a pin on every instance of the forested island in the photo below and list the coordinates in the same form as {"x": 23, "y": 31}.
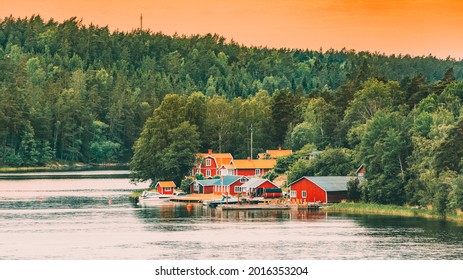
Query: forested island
{"x": 74, "y": 93}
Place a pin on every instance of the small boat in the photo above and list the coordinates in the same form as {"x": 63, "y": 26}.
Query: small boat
{"x": 153, "y": 196}
{"x": 225, "y": 200}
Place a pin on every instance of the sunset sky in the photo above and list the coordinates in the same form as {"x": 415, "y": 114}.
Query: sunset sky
{"x": 416, "y": 27}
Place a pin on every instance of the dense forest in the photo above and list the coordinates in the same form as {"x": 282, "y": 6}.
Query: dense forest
{"x": 75, "y": 93}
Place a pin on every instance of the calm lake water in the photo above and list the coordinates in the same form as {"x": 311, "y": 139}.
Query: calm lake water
{"x": 92, "y": 218}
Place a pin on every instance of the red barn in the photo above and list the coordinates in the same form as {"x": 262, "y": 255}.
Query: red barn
{"x": 325, "y": 189}
{"x": 165, "y": 187}
{"x": 261, "y": 187}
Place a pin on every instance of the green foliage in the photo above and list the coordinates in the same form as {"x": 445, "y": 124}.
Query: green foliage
{"x": 71, "y": 92}
{"x": 384, "y": 149}
{"x": 353, "y": 190}
{"x": 185, "y": 184}
{"x": 331, "y": 162}
{"x": 167, "y": 147}
{"x": 449, "y": 155}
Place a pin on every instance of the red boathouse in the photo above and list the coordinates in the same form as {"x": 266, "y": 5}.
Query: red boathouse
{"x": 325, "y": 189}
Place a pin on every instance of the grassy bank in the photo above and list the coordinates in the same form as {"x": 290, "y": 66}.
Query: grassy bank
{"x": 395, "y": 210}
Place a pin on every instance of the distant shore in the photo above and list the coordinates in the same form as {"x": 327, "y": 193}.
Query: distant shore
{"x": 64, "y": 167}
{"x": 394, "y": 210}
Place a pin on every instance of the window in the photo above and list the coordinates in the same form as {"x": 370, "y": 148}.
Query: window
{"x": 238, "y": 189}
{"x": 243, "y": 180}
{"x": 196, "y": 187}
{"x": 293, "y": 194}
{"x": 258, "y": 172}
{"x": 208, "y": 162}
{"x": 208, "y": 173}
{"x": 167, "y": 189}
{"x": 304, "y": 194}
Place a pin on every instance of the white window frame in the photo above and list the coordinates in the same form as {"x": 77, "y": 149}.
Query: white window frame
{"x": 208, "y": 173}
{"x": 208, "y": 162}
{"x": 257, "y": 172}
{"x": 168, "y": 189}
{"x": 238, "y": 189}
{"x": 304, "y": 194}
{"x": 293, "y": 193}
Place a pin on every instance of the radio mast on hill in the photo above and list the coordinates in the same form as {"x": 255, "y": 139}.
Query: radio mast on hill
{"x": 141, "y": 21}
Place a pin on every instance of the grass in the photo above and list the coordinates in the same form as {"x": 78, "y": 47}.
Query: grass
{"x": 394, "y": 210}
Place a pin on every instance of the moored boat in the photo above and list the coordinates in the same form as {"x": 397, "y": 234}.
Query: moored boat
{"x": 153, "y": 196}
{"x": 224, "y": 200}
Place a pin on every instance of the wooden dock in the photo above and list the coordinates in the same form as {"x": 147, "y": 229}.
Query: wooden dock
{"x": 186, "y": 199}
{"x": 254, "y": 207}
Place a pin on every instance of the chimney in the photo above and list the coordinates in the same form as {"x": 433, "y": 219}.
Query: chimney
{"x": 279, "y": 148}
{"x": 249, "y": 158}
{"x": 209, "y": 152}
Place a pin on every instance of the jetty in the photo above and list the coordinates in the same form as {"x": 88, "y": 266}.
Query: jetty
{"x": 253, "y": 207}
{"x": 187, "y": 199}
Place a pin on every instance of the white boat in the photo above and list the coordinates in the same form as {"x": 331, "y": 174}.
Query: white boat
{"x": 153, "y": 196}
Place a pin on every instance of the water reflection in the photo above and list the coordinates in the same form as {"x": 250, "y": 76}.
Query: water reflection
{"x": 178, "y": 211}
{"x": 74, "y": 219}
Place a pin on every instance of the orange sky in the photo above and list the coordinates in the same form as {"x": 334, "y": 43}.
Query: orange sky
{"x": 416, "y": 27}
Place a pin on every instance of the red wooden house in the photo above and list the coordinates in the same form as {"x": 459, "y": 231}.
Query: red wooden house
{"x": 228, "y": 184}
{"x": 203, "y": 186}
{"x": 325, "y": 189}
{"x": 360, "y": 171}
{"x": 261, "y": 187}
{"x": 209, "y": 164}
{"x": 253, "y": 167}
{"x": 224, "y": 185}
{"x": 165, "y": 187}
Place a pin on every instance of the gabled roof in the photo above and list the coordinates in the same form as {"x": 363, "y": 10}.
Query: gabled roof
{"x": 255, "y": 183}
{"x": 220, "y": 158}
{"x": 166, "y": 184}
{"x": 225, "y": 181}
{"x": 207, "y": 182}
{"x": 360, "y": 168}
{"x": 273, "y": 154}
{"x": 254, "y": 163}
{"x": 228, "y": 166}
{"x": 329, "y": 183}
{"x": 228, "y": 180}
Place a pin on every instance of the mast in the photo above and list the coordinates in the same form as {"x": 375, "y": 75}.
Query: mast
{"x": 141, "y": 21}
{"x": 251, "y": 140}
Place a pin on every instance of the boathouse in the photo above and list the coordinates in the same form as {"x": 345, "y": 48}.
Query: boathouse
{"x": 224, "y": 185}
{"x": 260, "y": 187}
{"x": 227, "y": 184}
{"x": 203, "y": 186}
{"x": 325, "y": 189}
{"x": 165, "y": 187}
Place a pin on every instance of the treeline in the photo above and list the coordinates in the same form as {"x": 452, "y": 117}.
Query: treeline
{"x": 77, "y": 93}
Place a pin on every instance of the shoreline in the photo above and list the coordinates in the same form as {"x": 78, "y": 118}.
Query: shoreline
{"x": 63, "y": 167}
{"x": 391, "y": 210}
